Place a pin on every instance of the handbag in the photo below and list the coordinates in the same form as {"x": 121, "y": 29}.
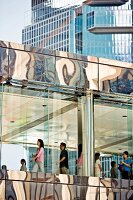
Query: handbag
{"x": 121, "y": 168}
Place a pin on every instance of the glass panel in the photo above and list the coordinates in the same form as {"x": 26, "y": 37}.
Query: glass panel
{"x": 63, "y": 127}
{"x": 39, "y": 129}
{"x": 115, "y": 79}
{"x": 31, "y": 113}
{"x": 129, "y": 118}
{"x": 77, "y": 73}
{"x": 4, "y": 63}
{"x": 23, "y": 112}
{"x": 113, "y": 129}
{"x": 32, "y": 66}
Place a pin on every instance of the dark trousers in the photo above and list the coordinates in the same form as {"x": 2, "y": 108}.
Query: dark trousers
{"x": 125, "y": 175}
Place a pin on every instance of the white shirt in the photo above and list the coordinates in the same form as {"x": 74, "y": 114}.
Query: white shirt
{"x": 97, "y": 169}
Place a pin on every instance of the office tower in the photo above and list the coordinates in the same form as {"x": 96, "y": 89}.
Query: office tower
{"x": 98, "y": 28}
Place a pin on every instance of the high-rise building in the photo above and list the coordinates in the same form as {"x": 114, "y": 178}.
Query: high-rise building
{"x": 50, "y": 25}
{"x": 99, "y": 28}
{"x": 109, "y": 29}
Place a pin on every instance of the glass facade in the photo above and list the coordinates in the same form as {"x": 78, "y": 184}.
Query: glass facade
{"x": 109, "y": 31}
{"x": 50, "y": 24}
{"x": 52, "y": 33}
{"x": 29, "y": 114}
{"x": 113, "y": 126}
{"x": 102, "y": 31}
{"x": 34, "y": 114}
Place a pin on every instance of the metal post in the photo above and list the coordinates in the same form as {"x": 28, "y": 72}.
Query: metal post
{"x": 1, "y": 109}
{"x": 88, "y": 134}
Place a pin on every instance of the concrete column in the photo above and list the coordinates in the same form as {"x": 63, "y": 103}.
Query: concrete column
{"x": 88, "y": 138}
{"x": 79, "y": 122}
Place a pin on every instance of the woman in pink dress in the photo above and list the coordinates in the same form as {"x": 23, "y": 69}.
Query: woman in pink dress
{"x": 39, "y": 157}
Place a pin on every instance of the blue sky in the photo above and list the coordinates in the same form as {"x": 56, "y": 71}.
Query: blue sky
{"x": 12, "y": 19}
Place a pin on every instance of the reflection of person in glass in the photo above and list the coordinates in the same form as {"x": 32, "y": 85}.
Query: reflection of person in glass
{"x": 4, "y": 171}
{"x": 80, "y": 160}
{"x": 39, "y": 157}
{"x": 126, "y": 164}
{"x": 63, "y": 159}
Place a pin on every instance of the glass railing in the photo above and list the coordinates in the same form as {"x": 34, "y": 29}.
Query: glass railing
{"x": 111, "y": 18}
{"x": 24, "y": 185}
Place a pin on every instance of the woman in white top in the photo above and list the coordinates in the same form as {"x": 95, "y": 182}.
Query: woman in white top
{"x": 98, "y": 168}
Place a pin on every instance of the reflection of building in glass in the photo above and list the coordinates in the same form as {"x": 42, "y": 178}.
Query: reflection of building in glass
{"x": 89, "y": 28}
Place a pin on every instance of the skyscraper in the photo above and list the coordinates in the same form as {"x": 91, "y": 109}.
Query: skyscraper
{"x": 98, "y": 28}
{"x": 109, "y": 30}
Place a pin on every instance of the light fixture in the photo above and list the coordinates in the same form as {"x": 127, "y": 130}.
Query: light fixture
{"x": 12, "y": 121}
{"x": 44, "y": 105}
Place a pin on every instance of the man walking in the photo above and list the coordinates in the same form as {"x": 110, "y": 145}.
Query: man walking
{"x": 63, "y": 159}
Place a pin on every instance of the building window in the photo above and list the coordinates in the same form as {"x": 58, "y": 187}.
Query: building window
{"x": 90, "y": 19}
